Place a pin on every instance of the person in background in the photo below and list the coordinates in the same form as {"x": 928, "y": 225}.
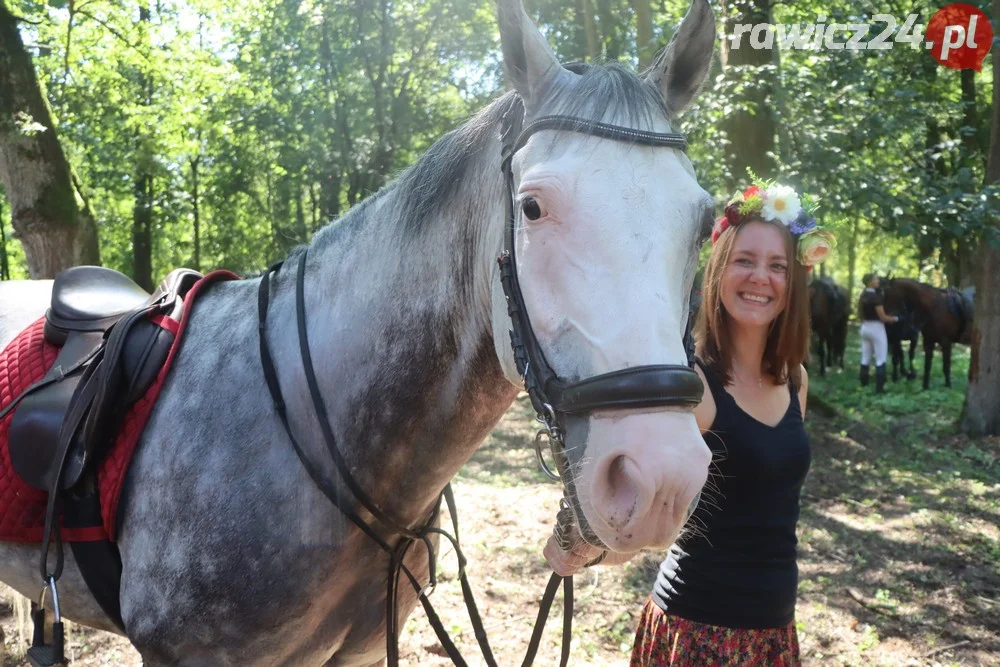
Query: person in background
{"x": 874, "y": 343}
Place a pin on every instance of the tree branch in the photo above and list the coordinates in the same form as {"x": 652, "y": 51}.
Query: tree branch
{"x": 418, "y": 51}
{"x": 21, "y": 19}
{"x": 946, "y": 648}
{"x": 870, "y": 605}
{"x": 114, "y": 31}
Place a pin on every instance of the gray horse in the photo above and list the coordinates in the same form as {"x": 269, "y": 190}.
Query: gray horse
{"x": 231, "y": 555}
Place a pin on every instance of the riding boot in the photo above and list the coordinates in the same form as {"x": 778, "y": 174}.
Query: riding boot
{"x": 864, "y": 375}
{"x": 880, "y": 379}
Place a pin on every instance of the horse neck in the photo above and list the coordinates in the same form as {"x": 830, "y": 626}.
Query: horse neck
{"x": 398, "y": 312}
{"x": 919, "y": 294}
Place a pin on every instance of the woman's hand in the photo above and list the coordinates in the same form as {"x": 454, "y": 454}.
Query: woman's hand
{"x": 566, "y": 564}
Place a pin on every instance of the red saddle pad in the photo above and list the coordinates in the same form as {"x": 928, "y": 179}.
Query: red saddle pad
{"x": 26, "y": 360}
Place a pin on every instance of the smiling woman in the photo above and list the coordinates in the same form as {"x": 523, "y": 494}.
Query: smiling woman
{"x": 725, "y": 594}
{"x": 755, "y": 282}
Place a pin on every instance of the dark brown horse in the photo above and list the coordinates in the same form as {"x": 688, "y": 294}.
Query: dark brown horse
{"x": 828, "y": 311}
{"x": 945, "y": 314}
{"x": 906, "y": 329}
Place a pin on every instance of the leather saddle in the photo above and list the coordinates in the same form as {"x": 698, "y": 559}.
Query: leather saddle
{"x": 110, "y": 353}
{"x": 962, "y": 307}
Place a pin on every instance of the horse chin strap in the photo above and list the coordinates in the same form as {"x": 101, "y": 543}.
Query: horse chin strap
{"x": 555, "y": 398}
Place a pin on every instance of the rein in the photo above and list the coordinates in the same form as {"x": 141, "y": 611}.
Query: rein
{"x": 397, "y": 568}
{"x": 551, "y": 396}
{"x": 326, "y": 485}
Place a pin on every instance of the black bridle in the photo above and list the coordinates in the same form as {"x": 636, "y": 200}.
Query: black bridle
{"x": 552, "y": 397}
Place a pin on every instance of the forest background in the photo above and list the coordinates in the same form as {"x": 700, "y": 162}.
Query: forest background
{"x": 211, "y": 133}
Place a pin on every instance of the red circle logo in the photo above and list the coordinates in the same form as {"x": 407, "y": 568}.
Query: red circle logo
{"x": 959, "y": 36}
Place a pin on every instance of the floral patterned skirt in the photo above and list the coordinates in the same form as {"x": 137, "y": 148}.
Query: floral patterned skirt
{"x": 663, "y": 639}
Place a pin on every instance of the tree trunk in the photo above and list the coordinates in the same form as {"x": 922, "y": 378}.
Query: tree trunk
{"x": 142, "y": 187}
{"x": 313, "y": 208}
{"x": 56, "y": 231}
{"x": 336, "y": 127}
{"x": 590, "y": 25}
{"x": 301, "y": 233}
{"x": 852, "y": 258}
{"x": 609, "y": 30}
{"x": 751, "y": 127}
{"x": 196, "y": 209}
{"x": 142, "y": 232}
{"x": 644, "y": 32}
{"x": 970, "y": 120}
{"x": 377, "y": 71}
{"x": 4, "y": 267}
{"x": 981, "y": 414}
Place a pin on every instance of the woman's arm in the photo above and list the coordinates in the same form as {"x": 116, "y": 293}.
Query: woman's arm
{"x": 804, "y": 392}
{"x": 887, "y": 319}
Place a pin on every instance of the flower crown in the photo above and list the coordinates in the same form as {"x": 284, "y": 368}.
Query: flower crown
{"x": 780, "y": 204}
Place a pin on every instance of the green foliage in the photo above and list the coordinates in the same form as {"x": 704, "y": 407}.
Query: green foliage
{"x": 270, "y": 118}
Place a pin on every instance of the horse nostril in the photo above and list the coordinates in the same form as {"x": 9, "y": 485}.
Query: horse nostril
{"x": 692, "y": 507}
{"x": 622, "y": 491}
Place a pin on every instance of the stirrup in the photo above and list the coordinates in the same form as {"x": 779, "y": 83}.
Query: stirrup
{"x": 41, "y": 654}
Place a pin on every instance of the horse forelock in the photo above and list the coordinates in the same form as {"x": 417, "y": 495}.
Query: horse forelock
{"x": 609, "y": 94}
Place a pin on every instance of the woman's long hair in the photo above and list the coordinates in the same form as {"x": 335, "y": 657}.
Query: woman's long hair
{"x": 788, "y": 339}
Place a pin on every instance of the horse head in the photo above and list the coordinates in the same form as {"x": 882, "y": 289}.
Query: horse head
{"x": 891, "y": 290}
{"x": 820, "y": 299}
{"x": 606, "y": 238}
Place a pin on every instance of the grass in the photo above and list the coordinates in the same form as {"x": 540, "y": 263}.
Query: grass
{"x": 899, "y": 538}
{"x": 906, "y": 410}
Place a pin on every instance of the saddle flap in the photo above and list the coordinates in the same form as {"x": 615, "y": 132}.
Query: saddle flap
{"x": 109, "y": 361}
{"x": 143, "y": 355}
{"x": 33, "y": 441}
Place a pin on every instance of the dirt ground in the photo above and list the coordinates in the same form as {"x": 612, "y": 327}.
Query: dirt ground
{"x": 900, "y": 561}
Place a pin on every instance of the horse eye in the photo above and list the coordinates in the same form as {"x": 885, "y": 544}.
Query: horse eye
{"x": 531, "y": 209}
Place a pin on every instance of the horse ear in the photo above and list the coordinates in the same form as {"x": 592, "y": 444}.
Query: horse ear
{"x": 528, "y": 60}
{"x": 681, "y": 70}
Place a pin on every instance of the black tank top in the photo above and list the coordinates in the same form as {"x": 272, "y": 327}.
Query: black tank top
{"x": 870, "y": 298}
{"x": 735, "y": 566}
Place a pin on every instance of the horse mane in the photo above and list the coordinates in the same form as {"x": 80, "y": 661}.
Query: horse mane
{"x": 452, "y": 196}
{"x": 918, "y": 294}
{"x": 607, "y": 93}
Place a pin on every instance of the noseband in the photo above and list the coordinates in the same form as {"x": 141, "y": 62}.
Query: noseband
{"x": 553, "y": 397}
